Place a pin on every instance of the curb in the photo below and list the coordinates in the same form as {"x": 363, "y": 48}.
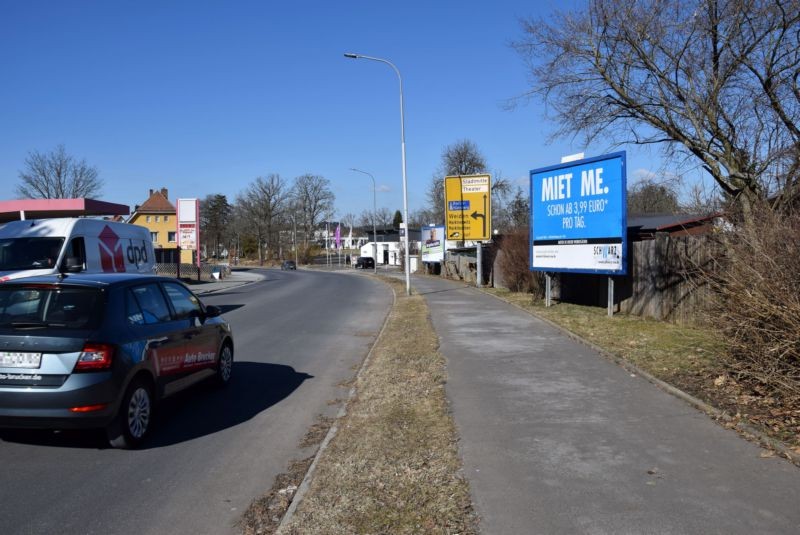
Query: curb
{"x": 305, "y": 485}
{"x": 236, "y": 284}
{"x": 762, "y": 438}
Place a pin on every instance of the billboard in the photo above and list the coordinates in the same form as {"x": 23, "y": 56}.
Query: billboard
{"x": 468, "y": 207}
{"x": 578, "y": 216}
{"x": 188, "y": 216}
{"x": 432, "y": 247}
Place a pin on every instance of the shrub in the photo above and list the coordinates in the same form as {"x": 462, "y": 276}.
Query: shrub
{"x": 514, "y": 263}
{"x": 756, "y": 284}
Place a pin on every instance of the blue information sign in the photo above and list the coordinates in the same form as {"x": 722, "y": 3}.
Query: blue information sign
{"x": 458, "y": 205}
{"x": 578, "y": 216}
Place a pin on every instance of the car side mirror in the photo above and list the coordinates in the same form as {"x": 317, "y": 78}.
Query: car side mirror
{"x": 213, "y": 311}
{"x": 73, "y": 264}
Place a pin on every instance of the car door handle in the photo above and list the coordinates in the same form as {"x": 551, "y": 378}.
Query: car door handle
{"x": 156, "y": 342}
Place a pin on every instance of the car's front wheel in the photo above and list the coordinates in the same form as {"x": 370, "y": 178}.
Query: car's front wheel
{"x": 133, "y": 421}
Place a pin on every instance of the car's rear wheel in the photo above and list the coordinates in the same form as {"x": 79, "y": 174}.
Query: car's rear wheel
{"x": 133, "y": 422}
{"x": 225, "y": 364}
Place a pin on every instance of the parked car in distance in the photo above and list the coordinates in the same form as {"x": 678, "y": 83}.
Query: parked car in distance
{"x": 365, "y": 262}
{"x": 99, "y": 351}
{"x": 288, "y": 264}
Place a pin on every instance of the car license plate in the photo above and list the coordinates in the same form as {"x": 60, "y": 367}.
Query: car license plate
{"x": 20, "y": 359}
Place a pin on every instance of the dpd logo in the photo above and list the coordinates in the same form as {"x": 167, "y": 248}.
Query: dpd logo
{"x": 136, "y": 255}
{"x": 111, "y": 257}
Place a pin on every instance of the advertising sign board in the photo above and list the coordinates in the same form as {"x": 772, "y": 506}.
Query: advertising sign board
{"x": 432, "y": 248}
{"x": 468, "y": 207}
{"x": 188, "y": 216}
{"x": 578, "y": 216}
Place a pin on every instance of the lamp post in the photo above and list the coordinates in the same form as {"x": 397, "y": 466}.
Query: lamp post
{"x": 374, "y": 209}
{"x": 403, "y": 159}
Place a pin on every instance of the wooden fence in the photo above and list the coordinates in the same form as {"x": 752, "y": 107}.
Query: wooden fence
{"x": 662, "y": 280}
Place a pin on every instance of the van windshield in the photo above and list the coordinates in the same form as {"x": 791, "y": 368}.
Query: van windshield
{"x": 18, "y": 254}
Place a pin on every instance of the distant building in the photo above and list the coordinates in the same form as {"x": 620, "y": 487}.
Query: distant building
{"x": 390, "y": 246}
{"x": 158, "y": 215}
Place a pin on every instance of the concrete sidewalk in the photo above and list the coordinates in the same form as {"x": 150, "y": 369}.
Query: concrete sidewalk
{"x": 238, "y": 277}
{"x": 557, "y": 439}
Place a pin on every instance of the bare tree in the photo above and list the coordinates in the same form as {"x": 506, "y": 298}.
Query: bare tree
{"x": 463, "y": 158}
{"x": 651, "y": 197}
{"x": 714, "y": 79}
{"x": 58, "y": 175}
{"x": 314, "y": 199}
{"x": 348, "y": 220}
{"x": 383, "y": 217}
{"x": 365, "y": 219}
{"x": 435, "y": 194}
{"x": 268, "y": 197}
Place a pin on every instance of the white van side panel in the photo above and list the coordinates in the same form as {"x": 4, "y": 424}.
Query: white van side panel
{"x": 110, "y": 247}
{"x": 115, "y": 247}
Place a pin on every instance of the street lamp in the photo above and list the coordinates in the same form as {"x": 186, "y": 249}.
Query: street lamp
{"x": 374, "y": 209}
{"x": 403, "y": 154}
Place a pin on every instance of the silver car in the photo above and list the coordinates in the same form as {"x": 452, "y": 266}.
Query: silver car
{"x": 82, "y": 351}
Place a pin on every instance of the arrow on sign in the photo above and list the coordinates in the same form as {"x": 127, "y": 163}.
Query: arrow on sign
{"x": 476, "y": 215}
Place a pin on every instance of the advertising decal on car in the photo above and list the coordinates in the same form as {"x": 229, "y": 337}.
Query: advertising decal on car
{"x": 179, "y": 360}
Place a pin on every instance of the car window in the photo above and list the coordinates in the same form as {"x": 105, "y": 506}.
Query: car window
{"x": 66, "y": 308}
{"x": 151, "y": 303}
{"x": 133, "y": 313}
{"x": 183, "y": 301}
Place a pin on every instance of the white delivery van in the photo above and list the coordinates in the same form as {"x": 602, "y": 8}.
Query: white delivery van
{"x": 73, "y": 245}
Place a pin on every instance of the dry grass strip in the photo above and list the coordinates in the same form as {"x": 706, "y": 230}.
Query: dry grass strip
{"x": 393, "y": 465}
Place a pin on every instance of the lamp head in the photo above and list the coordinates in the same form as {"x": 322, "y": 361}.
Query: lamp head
{"x": 351, "y": 55}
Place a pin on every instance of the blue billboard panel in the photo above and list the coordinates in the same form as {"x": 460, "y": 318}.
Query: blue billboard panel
{"x": 578, "y": 216}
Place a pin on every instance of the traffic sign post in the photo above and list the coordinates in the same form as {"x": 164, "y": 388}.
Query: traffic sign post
{"x": 468, "y": 207}
{"x": 468, "y": 211}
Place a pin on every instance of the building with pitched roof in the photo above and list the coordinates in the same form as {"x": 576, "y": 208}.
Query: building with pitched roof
{"x": 158, "y": 215}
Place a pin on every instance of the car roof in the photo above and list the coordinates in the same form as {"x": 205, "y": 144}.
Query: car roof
{"x": 97, "y": 280}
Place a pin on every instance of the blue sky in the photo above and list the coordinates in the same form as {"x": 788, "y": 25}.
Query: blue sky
{"x": 203, "y": 97}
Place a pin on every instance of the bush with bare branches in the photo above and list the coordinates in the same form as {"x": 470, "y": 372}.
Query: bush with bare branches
{"x": 514, "y": 263}
{"x": 756, "y": 282}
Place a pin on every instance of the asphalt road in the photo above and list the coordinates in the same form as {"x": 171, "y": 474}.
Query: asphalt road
{"x": 298, "y": 335}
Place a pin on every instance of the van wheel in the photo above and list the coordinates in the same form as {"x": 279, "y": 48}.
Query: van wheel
{"x": 225, "y": 365}
{"x": 133, "y": 422}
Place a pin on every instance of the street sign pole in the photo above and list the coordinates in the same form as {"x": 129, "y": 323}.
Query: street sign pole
{"x": 480, "y": 264}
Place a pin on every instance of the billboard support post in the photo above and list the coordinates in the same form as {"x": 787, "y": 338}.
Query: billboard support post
{"x": 610, "y": 296}
{"x": 547, "y": 293}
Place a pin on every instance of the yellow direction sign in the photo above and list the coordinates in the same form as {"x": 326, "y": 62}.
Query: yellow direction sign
{"x": 468, "y": 207}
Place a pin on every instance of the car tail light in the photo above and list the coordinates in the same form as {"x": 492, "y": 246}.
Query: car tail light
{"x": 95, "y": 357}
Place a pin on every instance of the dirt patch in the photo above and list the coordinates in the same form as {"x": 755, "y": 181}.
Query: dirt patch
{"x": 264, "y": 515}
{"x": 316, "y": 434}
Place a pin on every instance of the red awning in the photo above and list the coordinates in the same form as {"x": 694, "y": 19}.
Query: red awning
{"x": 49, "y": 208}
